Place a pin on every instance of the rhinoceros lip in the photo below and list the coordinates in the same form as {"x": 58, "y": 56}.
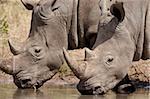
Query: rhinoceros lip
{"x": 98, "y": 89}
{"x": 29, "y": 84}
{"x": 24, "y": 81}
{"x": 24, "y": 75}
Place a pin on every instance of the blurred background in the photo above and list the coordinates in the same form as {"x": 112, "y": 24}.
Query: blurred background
{"x": 14, "y": 24}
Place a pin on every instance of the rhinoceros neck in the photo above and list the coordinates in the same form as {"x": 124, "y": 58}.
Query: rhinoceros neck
{"x": 88, "y": 19}
{"x": 72, "y": 25}
{"x": 135, "y": 20}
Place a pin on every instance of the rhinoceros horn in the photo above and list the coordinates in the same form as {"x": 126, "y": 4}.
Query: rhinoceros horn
{"x": 13, "y": 48}
{"x": 89, "y": 54}
{"x": 78, "y": 69}
{"x": 6, "y": 66}
{"x": 29, "y": 4}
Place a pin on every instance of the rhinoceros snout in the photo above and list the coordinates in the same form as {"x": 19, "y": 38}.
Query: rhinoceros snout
{"x": 23, "y": 83}
{"x": 98, "y": 90}
{"x": 27, "y": 83}
{"x": 90, "y": 90}
{"x": 85, "y": 91}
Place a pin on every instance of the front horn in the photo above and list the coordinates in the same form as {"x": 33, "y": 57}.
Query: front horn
{"x": 13, "y": 48}
{"x": 78, "y": 69}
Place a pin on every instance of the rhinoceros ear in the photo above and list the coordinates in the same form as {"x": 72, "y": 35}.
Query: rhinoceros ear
{"x": 117, "y": 10}
{"x": 29, "y": 4}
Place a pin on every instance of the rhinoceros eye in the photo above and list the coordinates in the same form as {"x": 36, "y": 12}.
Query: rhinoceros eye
{"x": 37, "y": 50}
{"x": 109, "y": 59}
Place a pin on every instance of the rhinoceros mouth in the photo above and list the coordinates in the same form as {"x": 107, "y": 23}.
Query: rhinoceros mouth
{"x": 96, "y": 88}
{"x": 91, "y": 90}
{"x": 27, "y": 83}
{"x": 25, "y": 80}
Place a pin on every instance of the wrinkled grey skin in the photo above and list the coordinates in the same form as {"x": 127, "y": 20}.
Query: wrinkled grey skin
{"x": 53, "y": 26}
{"x": 124, "y": 36}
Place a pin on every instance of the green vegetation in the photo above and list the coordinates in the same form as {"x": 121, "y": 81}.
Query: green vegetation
{"x": 14, "y": 24}
{"x": 3, "y": 34}
{"x": 65, "y": 70}
{"x": 4, "y": 25}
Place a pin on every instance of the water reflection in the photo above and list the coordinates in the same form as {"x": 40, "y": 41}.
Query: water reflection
{"x": 11, "y": 92}
{"x": 92, "y": 97}
{"x": 139, "y": 94}
{"x": 27, "y": 94}
{"x": 46, "y": 93}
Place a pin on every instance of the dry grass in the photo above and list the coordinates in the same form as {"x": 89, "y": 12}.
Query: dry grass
{"x": 140, "y": 71}
{"x": 14, "y": 24}
{"x": 18, "y": 20}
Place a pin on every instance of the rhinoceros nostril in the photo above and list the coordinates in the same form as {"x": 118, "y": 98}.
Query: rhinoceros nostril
{"x": 98, "y": 90}
{"x": 25, "y": 81}
{"x": 98, "y": 87}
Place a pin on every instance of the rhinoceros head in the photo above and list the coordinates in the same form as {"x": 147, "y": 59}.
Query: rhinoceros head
{"x": 33, "y": 65}
{"x": 107, "y": 63}
{"x": 39, "y": 58}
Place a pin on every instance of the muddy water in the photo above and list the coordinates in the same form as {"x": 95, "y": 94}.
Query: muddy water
{"x": 11, "y": 92}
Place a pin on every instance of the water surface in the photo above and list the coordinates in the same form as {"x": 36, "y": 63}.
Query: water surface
{"x": 8, "y": 91}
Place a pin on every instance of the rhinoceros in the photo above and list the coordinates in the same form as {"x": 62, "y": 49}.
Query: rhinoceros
{"x": 55, "y": 24}
{"x": 123, "y": 37}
